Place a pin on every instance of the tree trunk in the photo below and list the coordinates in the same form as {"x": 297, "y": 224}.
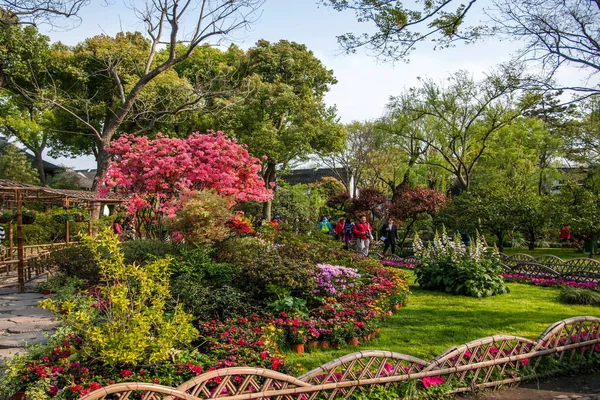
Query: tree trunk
{"x": 39, "y": 165}
{"x": 268, "y": 177}
{"x": 500, "y": 236}
{"x": 406, "y": 232}
{"x": 531, "y": 244}
{"x": 102, "y": 164}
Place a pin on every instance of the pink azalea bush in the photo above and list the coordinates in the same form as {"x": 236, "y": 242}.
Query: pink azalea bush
{"x": 154, "y": 173}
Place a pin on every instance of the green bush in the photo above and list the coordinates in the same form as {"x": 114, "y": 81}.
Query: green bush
{"x": 240, "y": 250}
{"x": 465, "y": 277}
{"x": 196, "y": 263}
{"x": 270, "y": 277}
{"x": 206, "y": 303}
{"x": 579, "y": 296}
{"x": 75, "y": 261}
{"x": 145, "y": 250}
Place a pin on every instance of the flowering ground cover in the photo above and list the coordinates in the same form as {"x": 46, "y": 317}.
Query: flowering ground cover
{"x": 548, "y": 281}
{"x": 432, "y": 322}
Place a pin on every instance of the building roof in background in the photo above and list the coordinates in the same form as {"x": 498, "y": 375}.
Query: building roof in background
{"x": 312, "y": 175}
{"x": 49, "y": 168}
{"x": 34, "y": 193}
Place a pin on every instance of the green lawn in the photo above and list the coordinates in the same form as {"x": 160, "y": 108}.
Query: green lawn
{"x": 565, "y": 254}
{"x": 433, "y": 322}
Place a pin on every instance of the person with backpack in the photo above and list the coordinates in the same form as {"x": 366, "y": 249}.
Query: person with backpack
{"x": 339, "y": 229}
{"x": 347, "y": 232}
{"x": 325, "y": 226}
{"x": 363, "y": 232}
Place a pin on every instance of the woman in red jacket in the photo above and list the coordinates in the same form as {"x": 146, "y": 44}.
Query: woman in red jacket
{"x": 362, "y": 232}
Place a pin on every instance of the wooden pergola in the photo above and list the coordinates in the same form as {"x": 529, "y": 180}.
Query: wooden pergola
{"x": 15, "y": 194}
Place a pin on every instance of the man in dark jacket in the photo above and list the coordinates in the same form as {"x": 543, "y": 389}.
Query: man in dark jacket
{"x": 389, "y": 234}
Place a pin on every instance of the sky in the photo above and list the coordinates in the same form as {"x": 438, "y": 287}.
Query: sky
{"x": 364, "y": 83}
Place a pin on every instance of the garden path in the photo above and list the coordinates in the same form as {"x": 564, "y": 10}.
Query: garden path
{"x": 585, "y": 386}
{"x": 21, "y": 321}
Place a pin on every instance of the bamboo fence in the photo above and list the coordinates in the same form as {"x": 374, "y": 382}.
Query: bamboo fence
{"x": 483, "y": 363}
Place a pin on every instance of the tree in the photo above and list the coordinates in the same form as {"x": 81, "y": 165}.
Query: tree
{"x": 156, "y": 173}
{"x": 284, "y": 116}
{"x": 370, "y": 201}
{"x": 121, "y": 68}
{"x": 15, "y": 166}
{"x": 554, "y": 33}
{"x": 352, "y": 158}
{"x": 24, "y": 57}
{"x": 460, "y": 119}
{"x": 413, "y": 203}
{"x": 35, "y": 12}
{"x": 398, "y": 29}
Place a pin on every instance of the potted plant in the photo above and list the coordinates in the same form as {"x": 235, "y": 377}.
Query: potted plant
{"x": 28, "y": 217}
{"x": 6, "y": 217}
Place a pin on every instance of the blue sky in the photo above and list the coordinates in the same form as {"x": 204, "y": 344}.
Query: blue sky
{"x": 364, "y": 83}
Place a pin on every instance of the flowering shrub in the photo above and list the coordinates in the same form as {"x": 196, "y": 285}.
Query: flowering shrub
{"x": 400, "y": 264}
{"x": 334, "y": 279}
{"x": 155, "y": 172}
{"x": 240, "y": 224}
{"x": 451, "y": 267}
{"x": 548, "y": 281}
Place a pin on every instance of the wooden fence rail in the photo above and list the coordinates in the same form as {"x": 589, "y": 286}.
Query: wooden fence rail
{"x": 487, "y": 362}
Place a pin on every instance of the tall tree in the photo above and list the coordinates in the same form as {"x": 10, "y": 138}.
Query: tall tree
{"x": 284, "y": 116}
{"x": 460, "y": 118}
{"x": 120, "y": 69}
{"x": 33, "y": 12}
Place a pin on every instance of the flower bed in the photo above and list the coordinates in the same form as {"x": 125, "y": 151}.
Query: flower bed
{"x": 520, "y": 278}
{"x": 398, "y": 264}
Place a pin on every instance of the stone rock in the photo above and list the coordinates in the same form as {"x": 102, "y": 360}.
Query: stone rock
{"x": 27, "y": 328}
{"x": 20, "y": 340}
{"x": 21, "y": 296}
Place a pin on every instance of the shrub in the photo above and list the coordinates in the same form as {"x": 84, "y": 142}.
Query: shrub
{"x": 579, "y": 296}
{"x": 196, "y": 263}
{"x": 451, "y": 267}
{"x": 76, "y": 261}
{"x": 240, "y": 250}
{"x": 123, "y": 321}
{"x": 271, "y": 276}
{"x": 206, "y": 303}
{"x": 145, "y": 250}
{"x": 202, "y": 218}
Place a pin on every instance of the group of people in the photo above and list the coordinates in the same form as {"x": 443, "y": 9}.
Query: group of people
{"x": 362, "y": 231}
{"x": 124, "y": 228}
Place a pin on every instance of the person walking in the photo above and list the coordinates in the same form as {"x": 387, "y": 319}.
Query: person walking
{"x": 363, "y": 232}
{"x": 339, "y": 229}
{"x": 325, "y": 226}
{"x": 348, "y": 235}
{"x": 389, "y": 234}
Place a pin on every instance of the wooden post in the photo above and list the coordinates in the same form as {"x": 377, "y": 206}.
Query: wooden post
{"x": 67, "y": 233}
{"x": 11, "y": 245}
{"x": 20, "y": 240}
{"x": 90, "y": 210}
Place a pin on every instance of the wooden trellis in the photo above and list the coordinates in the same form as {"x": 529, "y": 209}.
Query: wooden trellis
{"x": 487, "y": 362}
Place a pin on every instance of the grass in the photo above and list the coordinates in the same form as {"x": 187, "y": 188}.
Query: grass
{"x": 565, "y": 254}
{"x": 432, "y": 322}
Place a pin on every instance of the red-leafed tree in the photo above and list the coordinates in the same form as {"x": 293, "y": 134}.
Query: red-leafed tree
{"x": 156, "y": 173}
{"x": 369, "y": 200}
{"x": 413, "y": 203}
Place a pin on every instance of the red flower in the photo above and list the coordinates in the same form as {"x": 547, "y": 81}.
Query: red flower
{"x": 126, "y": 372}
{"x": 433, "y": 381}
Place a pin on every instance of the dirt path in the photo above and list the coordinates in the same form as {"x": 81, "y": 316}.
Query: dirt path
{"x": 585, "y": 386}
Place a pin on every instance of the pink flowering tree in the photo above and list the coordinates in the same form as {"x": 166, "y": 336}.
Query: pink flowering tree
{"x": 157, "y": 173}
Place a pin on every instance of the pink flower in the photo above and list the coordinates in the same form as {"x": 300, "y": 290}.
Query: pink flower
{"x": 433, "y": 381}
{"x": 525, "y": 361}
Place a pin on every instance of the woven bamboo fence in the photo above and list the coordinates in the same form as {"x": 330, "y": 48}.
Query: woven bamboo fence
{"x": 483, "y": 363}
{"x": 552, "y": 267}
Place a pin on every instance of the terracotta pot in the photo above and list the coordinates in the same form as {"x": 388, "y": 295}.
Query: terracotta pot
{"x": 365, "y": 338}
{"x": 18, "y": 396}
{"x": 376, "y": 330}
{"x": 389, "y": 313}
{"x": 313, "y": 343}
{"x": 324, "y": 345}
{"x": 372, "y": 336}
{"x": 353, "y": 341}
{"x": 396, "y": 307}
{"x": 298, "y": 348}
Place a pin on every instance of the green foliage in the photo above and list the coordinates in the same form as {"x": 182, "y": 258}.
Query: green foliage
{"x": 144, "y": 250}
{"x": 196, "y": 263}
{"x": 465, "y": 277}
{"x": 304, "y": 202}
{"x": 290, "y": 305}
{"x": 202, "y": 218}
{"x": 15, "y": 166}
{"x": 64, "y": 180}
{"x": 75, "y": 261}
{"x": 579, "y": 296}
{"x": 451, "y": 267}
{"x": 125, "y": 321}
{"x": 239, "y": 250}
